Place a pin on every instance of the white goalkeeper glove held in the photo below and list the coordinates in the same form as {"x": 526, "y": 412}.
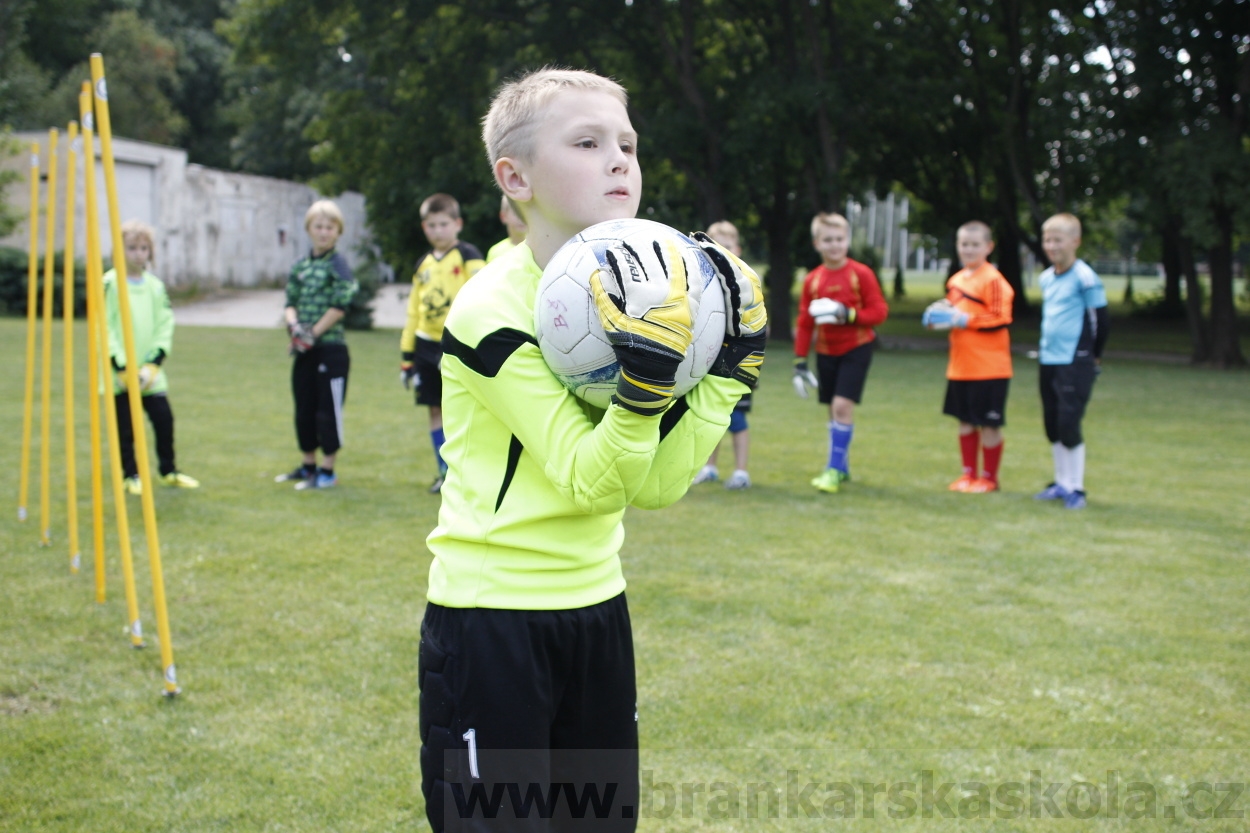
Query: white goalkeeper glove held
{"x": 829, "y": 311}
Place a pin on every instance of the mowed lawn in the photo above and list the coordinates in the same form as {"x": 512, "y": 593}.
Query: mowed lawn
{"x": 791, "y": 645}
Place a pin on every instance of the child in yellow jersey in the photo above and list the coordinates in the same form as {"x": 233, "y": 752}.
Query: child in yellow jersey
{"x": 438, "y": 278}
{"x": 516, "y": 231}
{"x": 152, "y": 324}
{"x": 526, "y": 661}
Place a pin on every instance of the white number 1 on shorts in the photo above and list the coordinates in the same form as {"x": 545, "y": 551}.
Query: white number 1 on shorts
{"x": 471, "y": 737}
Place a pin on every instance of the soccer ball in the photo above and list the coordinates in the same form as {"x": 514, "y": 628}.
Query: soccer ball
{"x": 566, "y": 322}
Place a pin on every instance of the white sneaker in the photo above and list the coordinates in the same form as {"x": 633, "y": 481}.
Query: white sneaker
{"x": 738, "y": 480}
{"x": 707, "y": 474}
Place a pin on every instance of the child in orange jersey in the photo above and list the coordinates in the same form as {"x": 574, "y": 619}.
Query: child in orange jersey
{"x": 977, "y": 311}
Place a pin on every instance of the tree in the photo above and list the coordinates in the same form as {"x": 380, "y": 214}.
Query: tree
{"x": 1184, "y": 80}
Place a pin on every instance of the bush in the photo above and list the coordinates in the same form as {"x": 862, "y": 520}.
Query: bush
{"x": 369, "y": 275}
{"x": 13, "y": 287}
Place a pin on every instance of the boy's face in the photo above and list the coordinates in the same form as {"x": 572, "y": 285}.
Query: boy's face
{"x": 833, "y": 243}
{"x": 1060, "y": 244}
{"x": 584, "y": 168}
{"x": 973, "y": 247}
{"x": 442, "y": 230}
{"x": 138, "y": 253}
{"x": 324, "y": 233}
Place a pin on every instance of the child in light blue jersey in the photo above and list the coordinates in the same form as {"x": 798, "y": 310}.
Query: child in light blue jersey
{"x": 1074, "y": 333}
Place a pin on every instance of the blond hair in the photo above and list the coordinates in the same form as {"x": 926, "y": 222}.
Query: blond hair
{"x": 440, "y": 204}
{"x": 326, "y": 209}
{"x": 138, "y": 228}
{"x": 1065, "y": 221}
{"x": 977, "y": 225}
{"x": 829, "y": 218}
{"x": 510, "y": 125}
{"x": 724, "y": 233}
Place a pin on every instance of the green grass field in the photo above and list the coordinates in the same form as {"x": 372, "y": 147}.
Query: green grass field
{"x": 873, "y": 641}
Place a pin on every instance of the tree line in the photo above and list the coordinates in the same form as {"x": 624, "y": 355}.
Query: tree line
{"x": 759, "y": 111}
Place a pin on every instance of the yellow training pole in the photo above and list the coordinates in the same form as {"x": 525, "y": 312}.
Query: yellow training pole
{"x": 32, "y": 303}
{"x": 67, "y": 318}
{"x": 100, "y": 87}
{"x": 45, "y": 415}
{"x": 93, "y": 340}
{"x": 95, "y": 290}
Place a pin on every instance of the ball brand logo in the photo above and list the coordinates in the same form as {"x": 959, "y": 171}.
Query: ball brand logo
{"x": 102, "y": 90}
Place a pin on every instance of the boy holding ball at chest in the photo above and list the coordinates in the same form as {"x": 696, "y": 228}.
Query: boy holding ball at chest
{"x": 526, "y": 649}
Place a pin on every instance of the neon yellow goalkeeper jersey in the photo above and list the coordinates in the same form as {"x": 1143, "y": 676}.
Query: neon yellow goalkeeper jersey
{"x": 537, "y": 480}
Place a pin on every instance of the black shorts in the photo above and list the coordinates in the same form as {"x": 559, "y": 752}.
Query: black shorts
{"x": 429, "y": 380}
{"x": 529, "y": 698}
{"x": 980, "y": 402}
{"x": 1065, "y": 390}
{"x": 844, "y": 375}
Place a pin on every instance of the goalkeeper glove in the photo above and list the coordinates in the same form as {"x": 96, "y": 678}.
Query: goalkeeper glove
{"x": 302, "y": 338}
{"x": 147, "y": 375}
{"x": 829, "y": 311}
{"x": 803, "y": 378}
{"x": 745, "y": 314}
{"x": 941, "y": 315}
{"x": 643, "y": 305}
{"x": 408, "y": 372}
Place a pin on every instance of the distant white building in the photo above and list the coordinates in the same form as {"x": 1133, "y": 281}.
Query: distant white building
{"x": 215, "y": 228}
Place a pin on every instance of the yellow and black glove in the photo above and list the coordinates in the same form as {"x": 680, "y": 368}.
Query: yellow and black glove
{"x": 746, "y": 318}
{"x": 645, "y": 309}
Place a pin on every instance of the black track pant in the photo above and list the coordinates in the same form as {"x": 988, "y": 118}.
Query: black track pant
{"x": 319, "y": 384}
{"x": 156, "y": 406}
{"x": 529, "y": 704}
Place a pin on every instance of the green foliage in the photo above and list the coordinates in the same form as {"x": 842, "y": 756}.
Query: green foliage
{"x": 369, "y": 276}
{"x": 774, "y": 629}
{"x": 9, "y": 217}
{"x": 141, "y": 68}
{"x": 14, "y": 286}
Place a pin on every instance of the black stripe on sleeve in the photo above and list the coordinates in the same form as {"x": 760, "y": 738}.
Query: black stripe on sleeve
{"x": 491, "y": 352}
{"x": 514, "y": 456}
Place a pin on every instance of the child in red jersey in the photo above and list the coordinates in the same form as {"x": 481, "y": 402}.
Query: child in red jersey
{"x": 841, "y": 303}
{"x": 977, "y": 311}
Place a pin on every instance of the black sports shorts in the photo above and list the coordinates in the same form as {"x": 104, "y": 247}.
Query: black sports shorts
{"x": 981, "y": 402}
{"x": 844, "y": 375}
{"x": 429, "y": 381}
{"x": 540, "y": 704}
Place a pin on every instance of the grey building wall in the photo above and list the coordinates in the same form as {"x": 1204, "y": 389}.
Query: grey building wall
{"x": 215, "y": 228}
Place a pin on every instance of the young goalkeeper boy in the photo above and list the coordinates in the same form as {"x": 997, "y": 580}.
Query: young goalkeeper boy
{"x": 977, "y": 311}
{"x": 152, "y": 320}
{"x": 526, "y": 666}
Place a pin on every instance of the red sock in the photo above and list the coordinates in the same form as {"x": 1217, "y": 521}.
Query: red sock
{"x": 993, "y": 456}
{"x": 968, "y": 444}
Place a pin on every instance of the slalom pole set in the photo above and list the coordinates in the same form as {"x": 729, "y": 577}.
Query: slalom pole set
{"x": 93, "y": 113}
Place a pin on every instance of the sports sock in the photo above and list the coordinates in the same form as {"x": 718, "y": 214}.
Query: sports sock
{"x": 437, "y": 439}
{"x": 968, "y": 444}
{"x": 1076, "y": 468}
{"x": 327, "y": 472}
{"x": 840, "y": 445}
{"x": 1059, "y": 454}
{"x": 993, "y": 456}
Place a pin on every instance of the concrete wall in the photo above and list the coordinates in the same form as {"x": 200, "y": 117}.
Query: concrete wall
{"x": 212, "y": 227}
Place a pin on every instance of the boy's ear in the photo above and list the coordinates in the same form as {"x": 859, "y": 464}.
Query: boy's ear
{"x": 512, "y": 179}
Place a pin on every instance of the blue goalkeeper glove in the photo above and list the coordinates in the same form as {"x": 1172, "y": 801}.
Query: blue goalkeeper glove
{"x": 642, "y": 301}
{"x": 941, "y": 315}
